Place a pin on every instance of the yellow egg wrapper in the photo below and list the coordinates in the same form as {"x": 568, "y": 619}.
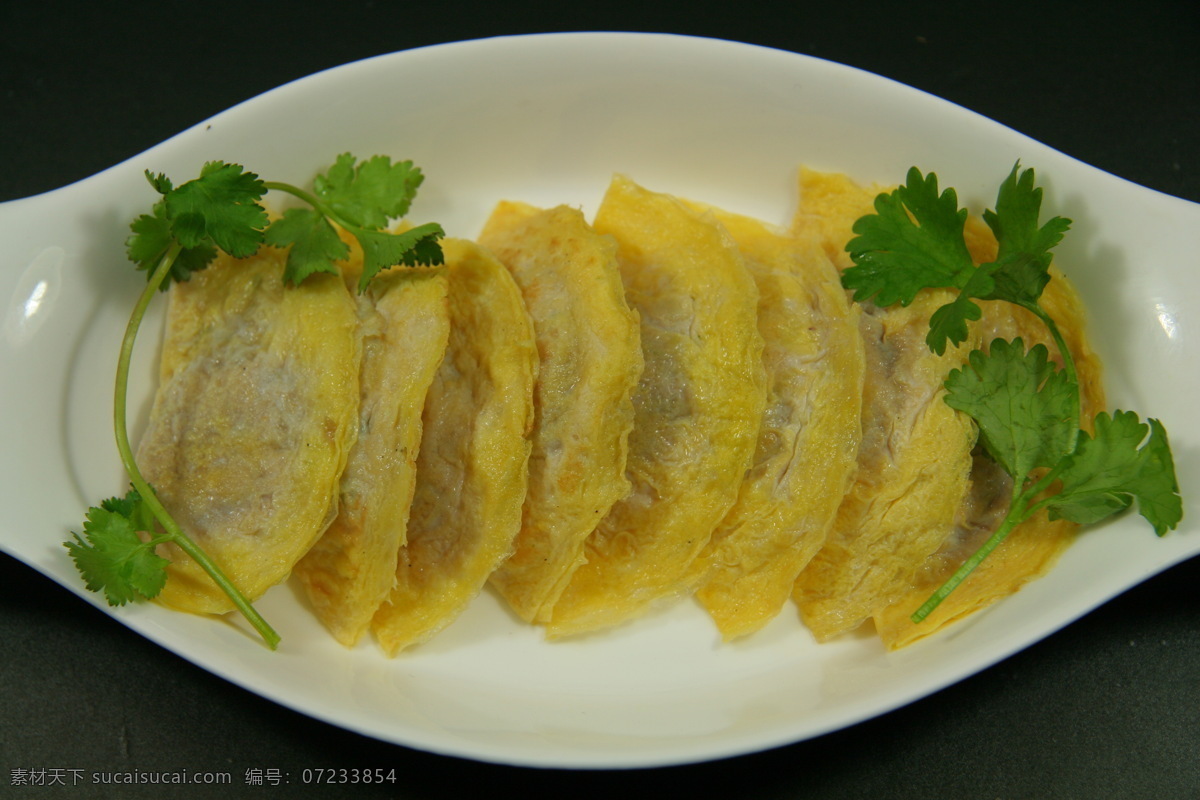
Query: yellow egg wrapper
{"x": 472, "y": 469}
{"x": 697, "y": 407}
{"x": 254, "y": 417}
{"x": 808, "y": 440}
{"x": 590, "y": 355}
{"x": 404, "y": 323}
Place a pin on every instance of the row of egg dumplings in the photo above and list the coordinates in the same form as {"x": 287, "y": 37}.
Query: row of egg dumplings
{"x": 594, "y": 418}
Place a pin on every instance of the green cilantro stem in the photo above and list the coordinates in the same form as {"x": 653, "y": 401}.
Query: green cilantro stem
{"x": 1006, "y": 527}
{"x": 1067, "y": 358}
{"x": 296, "y": 191}
{"x": 1020, "y": 510}
{"x": 173, "y": 532}
{"x": 317, "y": 203}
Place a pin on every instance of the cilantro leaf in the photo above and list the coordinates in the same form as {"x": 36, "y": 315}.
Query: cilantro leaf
{"x": 150, "y": 240}
{"x": 1025, "y": 407}
{"x": 949, "y": 322}
{"x": 915, "y": 241}
{"x": 314, "y": 243}
{"x": 369, "y": 194}
{"x": 897, "y": 255}
{"x": 161, "y": 183}
{"x": 133, "y": 508}
{"x": 414, "y": 247}
{"x": 112, "y": 557}
{"x": 1022, "y": 267}
{"x": 1110, "y": 470}
{"x": 220, "y": 207}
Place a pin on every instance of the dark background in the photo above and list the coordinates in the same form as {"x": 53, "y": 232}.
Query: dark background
{"x": 1107, "y": 708}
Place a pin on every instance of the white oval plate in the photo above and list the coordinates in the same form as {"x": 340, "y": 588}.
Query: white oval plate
{"x": 547, "y": 119}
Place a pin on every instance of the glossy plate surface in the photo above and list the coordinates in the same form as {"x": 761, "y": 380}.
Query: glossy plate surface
{"x": 547, "y": 119}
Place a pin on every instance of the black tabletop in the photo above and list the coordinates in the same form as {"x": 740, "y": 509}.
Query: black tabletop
{"x": 1107, "y": 708}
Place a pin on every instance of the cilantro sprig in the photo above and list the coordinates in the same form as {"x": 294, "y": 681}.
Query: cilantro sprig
{"x": 361, "y": 198}
{"x": 1026, "y": 407}
{"x": 915, "y": 241}
{"x": 185, "y": 229}
{"x": 113, "y": 558}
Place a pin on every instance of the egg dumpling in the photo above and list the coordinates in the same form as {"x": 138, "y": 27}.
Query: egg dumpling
{"x": 472, "y": 468}
{"x": 887, "y": 555}
{"x": 252, "y": 422}
{"x": 1034, "y": 546}
{"x": 915, "y": 456}
{"x": 404, "y": 324}
{"x": 590, "y": 358}
{"x": 808, "y": 440}
{"x": 697, "y": 406}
